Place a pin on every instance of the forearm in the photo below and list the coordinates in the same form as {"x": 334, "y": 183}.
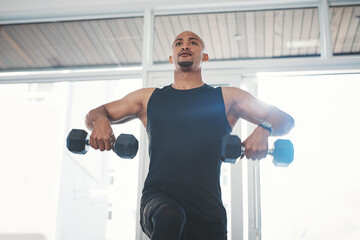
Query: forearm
{"x": 281, "y": 122}
{"x": 94, "y": 115}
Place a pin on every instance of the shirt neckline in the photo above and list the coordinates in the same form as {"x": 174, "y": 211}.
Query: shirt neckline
{"x": 188, "y": 90}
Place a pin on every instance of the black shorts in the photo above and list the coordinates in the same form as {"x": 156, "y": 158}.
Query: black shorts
{"x": 192, "y": 230}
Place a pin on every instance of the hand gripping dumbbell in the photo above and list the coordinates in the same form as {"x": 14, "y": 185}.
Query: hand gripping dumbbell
{"x": 231, "y": 150}
{"x": 125, "y": 146}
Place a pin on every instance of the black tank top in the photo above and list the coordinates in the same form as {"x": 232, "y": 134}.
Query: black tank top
{"x": 185, "y": 128}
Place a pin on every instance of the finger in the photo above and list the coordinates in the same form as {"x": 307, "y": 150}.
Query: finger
{"x": 108, "y": 143}
{"x": 101, "y": 145}
{"x": 246, "y": 151}
{"x": 113, "y": 138}
{"x": 248, "y": 154}
{"x": 264, "y": 154}
{"x": 93, "y": 143}
{"x": 255, "y": 155}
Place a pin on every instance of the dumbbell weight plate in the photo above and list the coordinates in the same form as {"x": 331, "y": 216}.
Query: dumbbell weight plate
{"x": 126, "y": 146}
{"x": 77, "y": 141}
{"x": 283, "y": 153}
{"x": 230, "y": 148}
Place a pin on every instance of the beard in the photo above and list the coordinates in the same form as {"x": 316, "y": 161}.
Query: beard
{"x": 185, "y": 63}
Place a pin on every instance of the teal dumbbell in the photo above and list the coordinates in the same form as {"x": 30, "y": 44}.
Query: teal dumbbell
{"x": 283, "y": 151}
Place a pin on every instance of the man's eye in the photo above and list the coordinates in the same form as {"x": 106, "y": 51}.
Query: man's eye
{"x": 177, "y": 44}
{"x": 193, "y": 43}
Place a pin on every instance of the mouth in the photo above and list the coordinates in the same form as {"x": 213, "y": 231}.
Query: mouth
{"x": 185, "y": 54}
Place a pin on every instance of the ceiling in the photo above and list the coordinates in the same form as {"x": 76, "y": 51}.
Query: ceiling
{"x": 244, "y": 35}
{"x": 227, "y": 36}
{"x": 108, "y": 42}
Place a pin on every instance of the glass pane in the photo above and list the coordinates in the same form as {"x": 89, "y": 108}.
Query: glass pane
{"x": 32, "y": 157}
{"x": 244, "y": 35}
{"x": 105, "y": 42}
{"x": 123, "y": 173}
{"x": 225, "y": 184}
{"x": 123, "y": 189}
{"x": 32, "y": 139}
{"x": 318, "y": 195}
{"x": 345, "y": 29}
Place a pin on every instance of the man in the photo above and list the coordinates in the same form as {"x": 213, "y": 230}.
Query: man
{"x": 185, "y": 122}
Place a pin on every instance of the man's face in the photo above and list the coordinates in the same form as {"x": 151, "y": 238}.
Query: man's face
{"x": 188, "y": 52}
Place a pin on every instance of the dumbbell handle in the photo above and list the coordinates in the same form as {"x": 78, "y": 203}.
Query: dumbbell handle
{"x": 87, "y": 142}
{"x": 270, "y": 151}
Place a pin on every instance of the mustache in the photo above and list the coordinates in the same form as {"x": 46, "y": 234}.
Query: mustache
{"x": 185, "y": 52}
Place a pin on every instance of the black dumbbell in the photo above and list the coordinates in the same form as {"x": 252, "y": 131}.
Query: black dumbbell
{"x": 231, "y": 150}
{"x": 125, "y": 146}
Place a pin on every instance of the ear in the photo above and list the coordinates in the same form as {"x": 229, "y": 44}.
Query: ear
{"x": 170, "y": 60}
{"x": 205, "y": 57}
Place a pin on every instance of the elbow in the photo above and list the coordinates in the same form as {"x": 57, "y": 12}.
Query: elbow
{"x": 285, "y": 125}
{"x": 290, "y": 124}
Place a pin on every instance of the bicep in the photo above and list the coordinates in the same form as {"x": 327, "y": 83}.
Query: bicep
{"x": 126, "y": 108}
{"x": 248, "y": 107}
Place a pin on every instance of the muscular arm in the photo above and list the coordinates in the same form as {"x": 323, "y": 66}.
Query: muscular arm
{"x": 119, "y": 111}
{"x": 242, "y": 104}
{"x": 99, "y": 120}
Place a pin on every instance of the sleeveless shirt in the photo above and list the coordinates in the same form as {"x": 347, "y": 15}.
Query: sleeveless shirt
{"x": 185, "y": 128}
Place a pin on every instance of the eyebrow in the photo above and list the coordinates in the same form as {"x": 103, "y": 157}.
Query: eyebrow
{"x": 190, "y": 38}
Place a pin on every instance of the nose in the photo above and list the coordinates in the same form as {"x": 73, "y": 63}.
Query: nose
{"x": 186, "y": 46}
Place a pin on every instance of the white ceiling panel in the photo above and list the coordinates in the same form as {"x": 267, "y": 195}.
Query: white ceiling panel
{"x": 245, "y": 35}
{"x": 345, "y": 29}
{"x": 106, "y": 42}
{"x": 278, "y": 33}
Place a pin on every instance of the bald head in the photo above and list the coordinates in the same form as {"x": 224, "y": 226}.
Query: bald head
{"x": 190, "y": 35}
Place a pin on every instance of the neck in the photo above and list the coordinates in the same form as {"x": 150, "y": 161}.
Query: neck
{"x": 187, "y": 80}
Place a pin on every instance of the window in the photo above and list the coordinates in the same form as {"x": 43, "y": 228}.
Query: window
{"x": 345, "y": 30}
{"x": 317, "y": 196}
{"x": 118, "y": 177}
{"x": 244, "y": 35}
{"x": 31, "y": 154}
{"x": 100, "y": 43}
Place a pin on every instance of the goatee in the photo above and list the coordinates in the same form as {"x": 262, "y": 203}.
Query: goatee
{"x": 185, "y": 64}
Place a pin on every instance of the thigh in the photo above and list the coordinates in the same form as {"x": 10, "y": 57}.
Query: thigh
{"x": 149, "y": 204}
{"x": 194, "y": 231}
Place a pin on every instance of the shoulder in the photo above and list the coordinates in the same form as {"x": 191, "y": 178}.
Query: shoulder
{"x": 234, "y": 93}
{"x": 148, "y": 91}
{"x": 143, "y": 93}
